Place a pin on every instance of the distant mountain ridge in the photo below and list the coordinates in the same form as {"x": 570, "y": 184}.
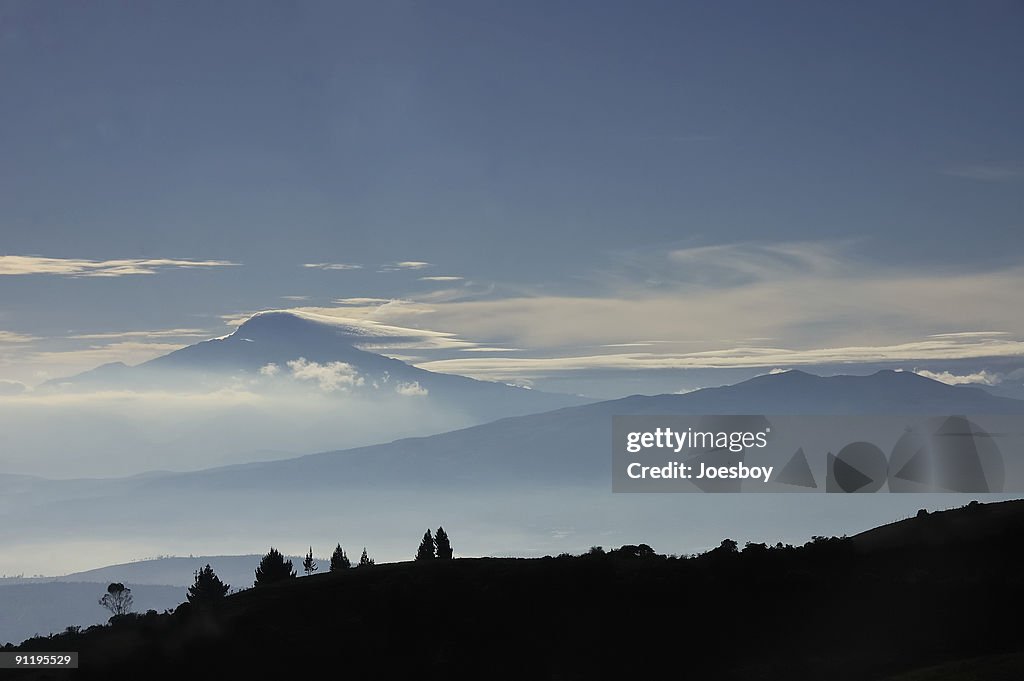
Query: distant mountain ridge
{"x": 571, "y": 444}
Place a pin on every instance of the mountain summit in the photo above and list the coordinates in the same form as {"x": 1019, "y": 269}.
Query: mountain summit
{"x": 274, "y": 349}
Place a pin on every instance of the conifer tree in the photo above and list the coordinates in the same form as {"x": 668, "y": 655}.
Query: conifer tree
{"x": 309, "y": 565}
{"x": 207, "y": 588}
{"x": 426, "y": 549}
{"x": 273, "y": 568}
{"x": 339, "y": 561}
{"x": 444, "y": 546}
{"x": 365, "y": 560}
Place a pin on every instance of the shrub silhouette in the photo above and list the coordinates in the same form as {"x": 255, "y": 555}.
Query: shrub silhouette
{"x": 273, "y": 568}
{"x": 118, "y": 599}
{"x": 444, "y": 546}
{"x": 728, "y": 546}
{"x": 426, "y": 549}
{"x": 634, "y": 551}
{"x": 207, "y": 588}
{"x": 339, "y": 561}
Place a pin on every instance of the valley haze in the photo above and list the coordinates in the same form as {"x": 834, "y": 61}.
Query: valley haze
{"x": 533, "y": 484}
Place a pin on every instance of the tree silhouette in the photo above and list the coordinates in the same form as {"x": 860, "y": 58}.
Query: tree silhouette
{"x": 118, "y": 599}
{"x": 339, "y": 561}
{"x": 309, "y": 565}
{"x": 426, "y": 549}
{"x": 273, "y": 568}
{"x": 444, "y": 546}
{"x": 207, "y": 587}
{"x": 365, "y": 560}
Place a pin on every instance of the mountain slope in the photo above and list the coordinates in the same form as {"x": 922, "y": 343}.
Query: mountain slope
{"x": 262, "y": 348}
{"x": 571, "y": 445}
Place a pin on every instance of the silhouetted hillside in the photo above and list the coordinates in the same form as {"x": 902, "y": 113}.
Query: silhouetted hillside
{"x": 831, "y": 609}
{"x": 976, "y": 524}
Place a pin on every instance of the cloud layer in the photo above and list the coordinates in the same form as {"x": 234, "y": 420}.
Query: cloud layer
{"x": 744, "y": 305}
{"x": 749, "y": 305}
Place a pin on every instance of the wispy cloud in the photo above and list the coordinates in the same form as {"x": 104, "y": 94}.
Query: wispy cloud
{"x": 441, "y": 278}
{"x": 159, "y": 333}
{"x": 357, "y": 302}
{"x": 60, "y": 363}
{"x": 11, "y": 337}
{"x": 405, "y": 265}
{"x": 71, "y": 267}
{"x": 332, "y": 266}
{"x": 1005, "y": 171}
{"x": 295, "y": 298}
{"x": 812, "y": 302}
{"x": 509, "y": 368}
{"x": 969, "y": 334}
{"x": 370, "y": 334}
{"x": 12, "y": 387}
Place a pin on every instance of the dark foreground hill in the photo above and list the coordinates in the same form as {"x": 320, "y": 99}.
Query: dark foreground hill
{"x": 831, "y": 609}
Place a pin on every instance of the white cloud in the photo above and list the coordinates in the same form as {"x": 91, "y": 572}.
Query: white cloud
{"x": 981, "y": 377}
{"x": 331, "y": 377}
{"x": 11, "y": 337}
{"x": 295, "y": 298}
{"x": 404, "y": 265}
{"x": 413, "y": 389}
{"x": 441, "y": 278}
{"x": 72, "y": 267}
{"x": 332, "y": 266}
{"x": 270, "y": 370}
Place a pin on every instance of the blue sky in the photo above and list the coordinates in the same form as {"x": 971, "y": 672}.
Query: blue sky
{"x": 559, "y": 180}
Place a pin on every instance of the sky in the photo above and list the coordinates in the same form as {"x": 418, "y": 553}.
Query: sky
{"x": 591, "y": 197}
